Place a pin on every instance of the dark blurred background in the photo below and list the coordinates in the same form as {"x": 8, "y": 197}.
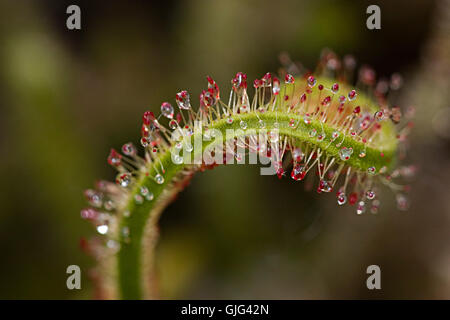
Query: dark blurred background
{"x": 66, "y": 97}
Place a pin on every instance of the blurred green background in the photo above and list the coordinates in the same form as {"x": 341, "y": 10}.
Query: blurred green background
{"x": 66, "y": 97}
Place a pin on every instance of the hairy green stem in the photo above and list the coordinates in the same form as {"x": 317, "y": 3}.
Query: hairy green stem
{"x": 135, "y": 254}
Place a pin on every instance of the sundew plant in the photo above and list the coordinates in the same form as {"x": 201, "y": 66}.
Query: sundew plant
{"x": 319, "y": 125}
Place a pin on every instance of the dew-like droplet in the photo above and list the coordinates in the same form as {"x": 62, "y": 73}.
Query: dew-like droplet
{"x": 311, "y": 81}
{"x": 324, "y": 186}
{"x": 262, "y": 124}
{"x": 379, "y": 115}
{"x": 266, "y": 79}
{"x": 292, "y": 123}
{"x": 341, "y": 199}
{"x": 148, "y": 117}
{"x": 145, "y": 131}
{"x": 213, "y": 88}
{"x": 312, "y": 133}
{"x": 361, "y": 208}
{"x": 321, "y": 136}
{"x": 335, "y": 135}
{"x": 159, "y": 179}
{"x": 371, "y": 170}
{"x": 138, "y": 199}
{"x": 345, "y": 153}
{"x": 183, "y": 100}
{"x": 307, "y": 119}
{"x": 298, "y": 172}
{"x": 335, "y": 88}
{"x": 102, "y": 229}
{"x": 303, "y": 98}
{"x": 145, "y": 142}
{"x": 123, "y": 179}
{"x": 173, "y": 124}
{"x": 109, "y": 205}
{"x": 114, "y": 158}
{"x": 230, "y": 120}
{"x": 289, "y": 79}
{"x": 129, "y": 149}
{"x": 352, "y": 95}
{"x": 149, "y": 196}
{"x": 95, "y": 198}
{"x": 280, "y": 172}
{"x": 144, "y": 191}
{"x": 276, "y": 86}
{"x": 243, "y": 125}
{"x": 167, "y": 110}
{"x": 362, "y": 154}
{"x": 239, "y": 81}
{"x": 326, "y": 101}
{"x": 207, "y": 98}
{"x": 370, "y": 194}
{"x": 177, "y": 159}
